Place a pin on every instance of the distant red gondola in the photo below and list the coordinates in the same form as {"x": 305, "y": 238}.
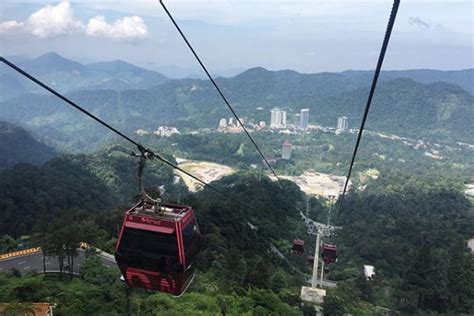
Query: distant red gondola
{"x": 298, "y": 247}
{"x": 329, "y": 253}
{"x": 310, "y": 260}
{"x": 156, "y": 249}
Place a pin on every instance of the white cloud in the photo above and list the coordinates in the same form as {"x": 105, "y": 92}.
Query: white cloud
{"x": 130, "y": 28}
{"x": 53, "y": 21}
{"x": 57, "y": 20}
{"x": 10, "y": 27}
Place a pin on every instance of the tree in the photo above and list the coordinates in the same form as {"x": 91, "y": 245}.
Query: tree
{"x": 425, "y": 280}
{"x": 461, "y": 279}
{"x": 334, "y": 304}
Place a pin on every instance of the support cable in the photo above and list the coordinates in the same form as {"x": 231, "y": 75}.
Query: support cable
{"x": 214, "y": 83}
{"x": 150, "y": 154}
{"x": 386, "y": 40}
{"x": 146, "y": 153}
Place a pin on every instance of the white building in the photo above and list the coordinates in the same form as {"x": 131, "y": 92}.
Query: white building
{"x": 286, "y": 150}
{"x": 141, "y": 132}
{"x": 231, "y": 121}
{"x": 342, "y": 123}
{"x": 223, "y": 123}
{"x": 278, "y": 118}
{"x": 304, "y": 119}
{"x": 165, "y": 131}
{"x": 369, "y": 271}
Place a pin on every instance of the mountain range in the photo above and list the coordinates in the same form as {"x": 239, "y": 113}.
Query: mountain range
{"x": 66, "y": 75}
{"x": 412, "y": 103}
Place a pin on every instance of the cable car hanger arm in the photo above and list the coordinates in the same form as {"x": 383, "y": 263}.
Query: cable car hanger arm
{"x": 150, "y": 153}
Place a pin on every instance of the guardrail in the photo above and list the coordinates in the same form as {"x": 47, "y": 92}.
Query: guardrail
{"x": 82, "y": 245}
{"x": 20, "y": 253}
{"x": 29, "y": 251}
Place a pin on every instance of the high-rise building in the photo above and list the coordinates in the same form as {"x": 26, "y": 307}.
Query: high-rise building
{"x": 223, "y": 123}
{"x": 278, "y": 118}
{"x": 342, "y": 123}
{"x": 283, "y": 119}
{"x": 286, "y": 150}
{"x": 304, "y": 119}
{"x": 274, "y": 119}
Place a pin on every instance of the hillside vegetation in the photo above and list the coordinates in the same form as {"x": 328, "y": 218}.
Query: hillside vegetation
{"x": 407, "y": 103}
{"x": 18, "y": 145}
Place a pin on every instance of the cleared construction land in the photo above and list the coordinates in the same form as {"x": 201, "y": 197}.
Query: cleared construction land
{"x": 206, "y": 171}
{"x": 318, "y": 184}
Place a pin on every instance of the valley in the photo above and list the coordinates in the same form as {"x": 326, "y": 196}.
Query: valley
{"x": 407, "y": 212}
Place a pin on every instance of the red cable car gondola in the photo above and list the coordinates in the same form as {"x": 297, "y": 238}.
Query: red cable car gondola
{"x": 156, "y": 248}
{"x": 310, "y": 260}
{"x": 298, "y": 247}
{"x": 329, "y": 253}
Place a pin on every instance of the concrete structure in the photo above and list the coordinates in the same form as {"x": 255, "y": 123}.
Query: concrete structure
{"x": 470, "y": 244}
{"x": 165, "y": 131}
{"x": 342, "y": 123}
{"x": 369, "y": 271}
{"x": 231, "y": 121}
{"x": 278, "y": 118}
{"x": 223, "y": 123}
{"x": 315, "y": 295}
{"x": 286, "y": 150}
{"x": 141, "y": 132}
{"x": 304, "y": 119}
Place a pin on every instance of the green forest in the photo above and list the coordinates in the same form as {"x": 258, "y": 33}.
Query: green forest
{"x": 65, "y": 181}
{"x": 412, "y": 228}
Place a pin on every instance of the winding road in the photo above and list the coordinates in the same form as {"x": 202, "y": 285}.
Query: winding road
{"x": 33, "y": 262}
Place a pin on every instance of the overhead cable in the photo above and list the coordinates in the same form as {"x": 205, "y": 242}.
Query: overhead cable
{"x": 219, "y": 90}
{"x": 140, "y": 147}
{"x": 388, "y": 32}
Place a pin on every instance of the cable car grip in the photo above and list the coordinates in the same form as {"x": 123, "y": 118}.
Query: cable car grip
{"x": 143, "y": 155}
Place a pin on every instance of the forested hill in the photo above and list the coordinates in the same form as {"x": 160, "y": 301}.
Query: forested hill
{"x": 412, "y": 229}
{"x": 432, "y": 104}
{"x": 463, "y": 78}
{"x": 439, "y": 111}
{"x": 407, "y": 108}
{"x": 67, "y": 75}
{"x": 90, "y": 183}
{"x": 18, "y": 145}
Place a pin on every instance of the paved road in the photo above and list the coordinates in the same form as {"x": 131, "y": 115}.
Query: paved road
{"x": 34, "y": 262}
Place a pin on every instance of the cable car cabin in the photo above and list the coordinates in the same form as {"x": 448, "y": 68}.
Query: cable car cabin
{"x": 329, "y": 253}
{"x": 310, "y": 260}
{"x": 156, "y": 249}
{"x": 298, "y": 247}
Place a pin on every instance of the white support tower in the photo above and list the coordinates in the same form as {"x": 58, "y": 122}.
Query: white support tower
{"x": 313, "y": 294}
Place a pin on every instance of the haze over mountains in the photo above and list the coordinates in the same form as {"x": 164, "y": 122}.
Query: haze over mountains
{"x": 18, "y": 145}
{"x": 413, "y": 103}
{"x": 67, "y": 75}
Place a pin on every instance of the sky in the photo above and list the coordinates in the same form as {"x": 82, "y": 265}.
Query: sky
{"x": 230, "y": 35}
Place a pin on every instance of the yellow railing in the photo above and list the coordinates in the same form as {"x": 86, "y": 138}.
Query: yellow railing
{"x": 19, "y": 253}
